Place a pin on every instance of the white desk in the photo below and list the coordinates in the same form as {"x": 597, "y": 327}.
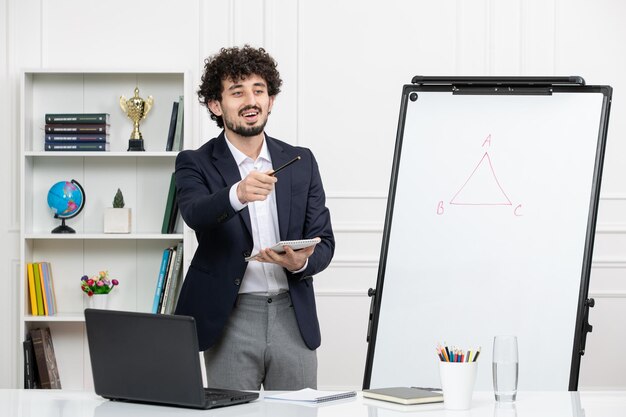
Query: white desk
{"x": 55, "y": 403}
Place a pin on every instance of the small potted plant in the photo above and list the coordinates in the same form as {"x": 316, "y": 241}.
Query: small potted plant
{"x": 117, "y": 218}
{"x": 97, "y": 288}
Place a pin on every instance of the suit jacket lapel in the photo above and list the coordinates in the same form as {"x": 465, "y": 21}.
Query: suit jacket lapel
{"x": 283, "y": 185}
{"x": 227, "y": 167}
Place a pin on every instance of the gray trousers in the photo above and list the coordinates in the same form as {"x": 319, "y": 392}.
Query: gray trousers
{"x": 261, "y": 344}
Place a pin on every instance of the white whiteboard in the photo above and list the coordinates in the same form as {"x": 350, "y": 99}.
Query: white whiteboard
{"x": 488, "y": 233}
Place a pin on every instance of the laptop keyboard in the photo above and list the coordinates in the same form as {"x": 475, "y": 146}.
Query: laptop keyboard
{"x": 222, "y": 394}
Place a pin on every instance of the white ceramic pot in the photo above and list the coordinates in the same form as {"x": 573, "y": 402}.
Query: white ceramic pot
{"x": 116, "y": 220}
{"x": 99, "y": 301}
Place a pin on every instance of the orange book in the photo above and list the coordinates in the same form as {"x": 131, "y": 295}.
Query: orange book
{"x": 31, "y": 289}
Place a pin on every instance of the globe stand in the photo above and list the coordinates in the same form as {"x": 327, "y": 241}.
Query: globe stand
{"x": 63, "y": 228}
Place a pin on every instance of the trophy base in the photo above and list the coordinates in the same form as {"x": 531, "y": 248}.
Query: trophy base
{"x": 135, "y": 145}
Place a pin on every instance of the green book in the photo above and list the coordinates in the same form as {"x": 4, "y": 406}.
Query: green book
{"x": 38, "y": 291}
{"x": 169, "y": 205}
{"x": 404, "y": 395}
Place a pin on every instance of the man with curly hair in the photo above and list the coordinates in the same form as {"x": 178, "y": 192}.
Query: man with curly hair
{"x": 256, "y": 321}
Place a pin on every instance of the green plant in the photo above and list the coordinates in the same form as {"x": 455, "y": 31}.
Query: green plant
{"x": 118, "y": 200}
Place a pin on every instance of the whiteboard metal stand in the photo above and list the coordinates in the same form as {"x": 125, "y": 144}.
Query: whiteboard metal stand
{"x": 488, "y": 86}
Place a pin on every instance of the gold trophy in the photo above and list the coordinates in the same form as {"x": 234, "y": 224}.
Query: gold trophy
{"x": 136, "y": 109}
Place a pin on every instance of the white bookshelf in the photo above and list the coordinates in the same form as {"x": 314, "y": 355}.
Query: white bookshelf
{"x": 134, "y": 259}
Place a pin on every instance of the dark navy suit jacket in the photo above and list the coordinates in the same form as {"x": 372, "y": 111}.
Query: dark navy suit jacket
{"x": 203, "y": 181}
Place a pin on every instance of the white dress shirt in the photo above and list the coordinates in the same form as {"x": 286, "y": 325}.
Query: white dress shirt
{"x": 260, "y": 277}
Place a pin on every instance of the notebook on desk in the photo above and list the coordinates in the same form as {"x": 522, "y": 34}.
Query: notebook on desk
{"x": 404, "y": 395}
{"x": 150, "y": 358}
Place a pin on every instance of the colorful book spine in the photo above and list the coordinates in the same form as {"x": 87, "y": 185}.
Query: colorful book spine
{"x": 175, "y": 286}
{"x": 47, "y": 280}
{"x": 77, "y": 118}
{"x": 44, "y": 294}
{"x": 160, "y": 279}
{"x": 76, "y": 137}
{"x": 82, "y": 129}
{"x": 52, "y": 291}
{"x": 168, "y": 271}
{"x": 168, "y": 281}
{"x": 39, "y": 291}
{"x": 31, "y": 289}
{"x": 78, "y": 147}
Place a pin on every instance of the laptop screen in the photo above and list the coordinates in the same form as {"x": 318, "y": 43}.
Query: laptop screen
{"x": 145, "y": 357}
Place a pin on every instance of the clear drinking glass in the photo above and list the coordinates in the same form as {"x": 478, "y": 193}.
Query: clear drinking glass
{"x": 504, "y": 409}
{"x": 505, "y": 367}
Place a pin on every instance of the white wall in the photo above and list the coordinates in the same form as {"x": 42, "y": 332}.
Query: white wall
{"x": 343, "y": 64}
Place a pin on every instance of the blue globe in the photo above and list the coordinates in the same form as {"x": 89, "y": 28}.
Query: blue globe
{"x": 66, "y": 199}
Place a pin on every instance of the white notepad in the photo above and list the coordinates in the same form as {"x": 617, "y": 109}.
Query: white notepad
{"x": 293, "y": 244}
{"x": 311, "y": 395}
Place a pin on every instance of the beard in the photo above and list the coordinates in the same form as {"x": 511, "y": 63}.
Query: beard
{"x": 245, "y": 131}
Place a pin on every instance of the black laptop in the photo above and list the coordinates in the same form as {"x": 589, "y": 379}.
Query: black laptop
{"x": 150, "y": 358}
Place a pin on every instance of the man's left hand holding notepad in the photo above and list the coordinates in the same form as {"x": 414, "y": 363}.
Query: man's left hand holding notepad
{"x": 311, "y": 396}
{"x": 293, "y": 244}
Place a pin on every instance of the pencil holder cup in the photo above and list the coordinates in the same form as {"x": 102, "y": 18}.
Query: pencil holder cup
{"x": 457, "y": 383}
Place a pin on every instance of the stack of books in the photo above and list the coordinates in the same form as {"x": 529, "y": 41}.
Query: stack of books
{"x": 41, "y": 289}
{"x": 40, "y": 364}
{"x": 169, "y": 281}
{"x": 77, "y": 132}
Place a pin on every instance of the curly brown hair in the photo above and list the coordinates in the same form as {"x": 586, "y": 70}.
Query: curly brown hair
{"x": 236, "y": 64}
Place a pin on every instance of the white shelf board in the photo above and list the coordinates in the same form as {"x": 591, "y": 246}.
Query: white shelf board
{"x": 107, "y": 154}
{"x": 107, "y": 71}
{"x": 59, "y": 317}
{"x": 102, "y": 236}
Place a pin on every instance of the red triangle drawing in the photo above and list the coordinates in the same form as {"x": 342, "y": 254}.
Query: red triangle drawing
{"x": 482, "y": 188}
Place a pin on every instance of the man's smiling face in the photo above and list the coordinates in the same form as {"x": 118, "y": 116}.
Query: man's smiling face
{"x": 245, "y": 105}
